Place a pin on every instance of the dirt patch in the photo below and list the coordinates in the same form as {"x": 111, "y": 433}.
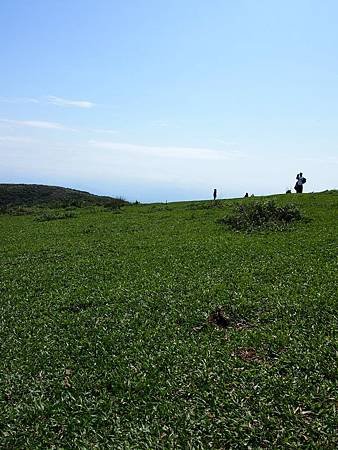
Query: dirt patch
{"x": 8, "y": 397}
{"x": 221, "y": 319}
{"x": 247, "y": 354}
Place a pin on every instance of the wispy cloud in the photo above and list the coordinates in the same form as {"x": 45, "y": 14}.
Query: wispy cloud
{"x": 42, "y": 124}
{"x": 51, "y": 100}
{"x": 63, "y": 102}
{"x": 167, "y": 151}
{"x": 36, "y": 124}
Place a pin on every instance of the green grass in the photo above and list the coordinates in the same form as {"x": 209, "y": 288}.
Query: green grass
{"x": 106, "y": 343}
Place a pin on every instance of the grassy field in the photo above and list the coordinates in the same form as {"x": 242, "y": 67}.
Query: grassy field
{"x": 105, "y": 339}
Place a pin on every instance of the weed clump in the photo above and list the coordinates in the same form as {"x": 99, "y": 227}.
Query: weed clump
{"x": 257, "y": 216}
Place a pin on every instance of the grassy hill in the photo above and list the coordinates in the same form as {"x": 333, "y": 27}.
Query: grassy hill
{"x": 157, "y": 327}
{"x": 51, "y": 196}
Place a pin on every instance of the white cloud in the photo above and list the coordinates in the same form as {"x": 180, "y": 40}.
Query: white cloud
{"x": 59, "y": 101}
{"x": 52, "y": 100}
{"x": 138, "y": 167}
{"x": 46, "y": 125}
{"x": 167, "y": 151}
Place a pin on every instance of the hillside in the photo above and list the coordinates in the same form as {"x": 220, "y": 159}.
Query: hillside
{"x": 51, "y": 196}
{"x": 157, "y": 327}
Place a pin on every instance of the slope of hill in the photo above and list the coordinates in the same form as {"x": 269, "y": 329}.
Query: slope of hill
{"x": 52, "y": 196}
{"x": 156, "y": 327}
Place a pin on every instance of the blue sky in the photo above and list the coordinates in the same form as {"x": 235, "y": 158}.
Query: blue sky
{"x": 166, "y": 100}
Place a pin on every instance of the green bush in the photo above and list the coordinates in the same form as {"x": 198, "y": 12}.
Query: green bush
{"x": 261, "y": 215}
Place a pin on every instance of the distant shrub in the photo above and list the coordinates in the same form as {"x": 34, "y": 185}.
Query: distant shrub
{"x": 54, "y": 215}
{"x": 261, "y": 215}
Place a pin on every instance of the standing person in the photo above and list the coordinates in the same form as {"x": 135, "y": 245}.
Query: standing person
{"x": 299, "y": 183}
{"x": 215, "y": 194}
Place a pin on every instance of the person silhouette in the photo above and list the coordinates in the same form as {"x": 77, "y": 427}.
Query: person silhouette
{"x": 215, "y": 194}
{"x": 299, "y": 183}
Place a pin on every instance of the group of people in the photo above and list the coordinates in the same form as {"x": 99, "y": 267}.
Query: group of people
{"x": 300, "y": 181}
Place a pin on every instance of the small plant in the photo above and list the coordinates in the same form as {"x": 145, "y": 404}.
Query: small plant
{"x": 261, "y": 215}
